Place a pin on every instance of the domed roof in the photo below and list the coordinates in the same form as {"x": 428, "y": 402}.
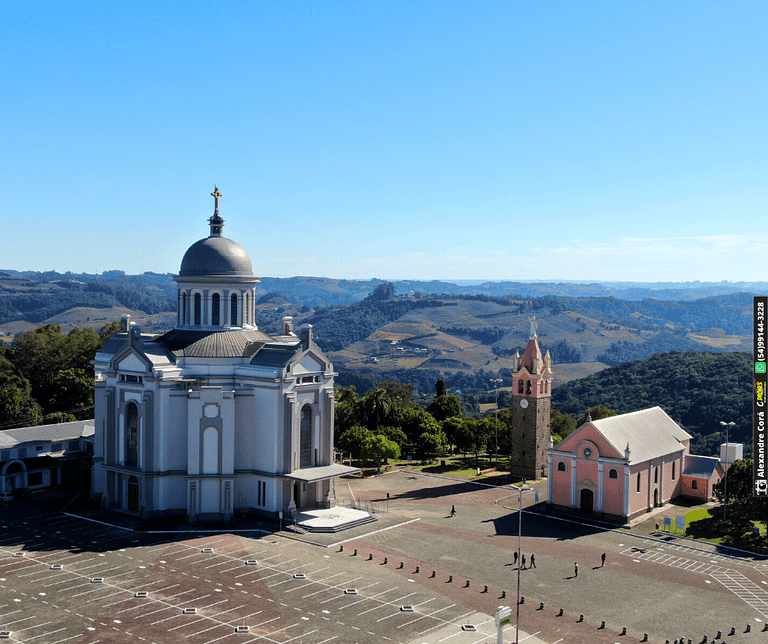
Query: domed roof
{"x": 216, "y": 256}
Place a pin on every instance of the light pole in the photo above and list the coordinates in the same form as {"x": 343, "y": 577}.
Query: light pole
{"x": 520, "y": 489}
{"x": 497, "y": 382}
{"x": 725, "y": 481}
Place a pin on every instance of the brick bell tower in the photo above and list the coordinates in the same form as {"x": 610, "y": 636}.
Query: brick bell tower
{"x": 531, "y": 407}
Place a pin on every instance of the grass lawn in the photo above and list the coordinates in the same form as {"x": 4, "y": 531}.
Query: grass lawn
{"x": 460, "y": 466}
{"x": 707, "y": 525}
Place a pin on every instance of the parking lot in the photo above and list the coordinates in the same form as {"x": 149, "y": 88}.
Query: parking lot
{"x": 415, "y": 576}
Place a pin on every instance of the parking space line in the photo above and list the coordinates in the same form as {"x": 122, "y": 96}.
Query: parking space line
{"x": 197, "y": 621}
{"x": 29, "y": 639}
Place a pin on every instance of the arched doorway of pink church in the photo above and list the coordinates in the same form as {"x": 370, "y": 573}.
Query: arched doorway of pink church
{"x": 587, "y": 501}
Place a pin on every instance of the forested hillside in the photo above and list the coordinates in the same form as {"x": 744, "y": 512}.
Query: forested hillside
{"x": 697, "y": 389}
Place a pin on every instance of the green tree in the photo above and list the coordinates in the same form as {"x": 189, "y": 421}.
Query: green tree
{"x": 472, "y": 437}
{"x": 17, "y": 406}
{"x": 451, "y": 426}
{"x": 440, "y": 388}
{"x": 444, "y": 407}
{"x": 740, "y": 491}
{"x": 395, "y": 434}
{"x": 379, "y": 449}
{"x": 430, "y": 444}
{"x": 561, "y": 425}
{"x": 595, "y": 413}
{"x": 414, "y": 422}
{"x": 376, "y": 406}
{"x": 353, "y": 440}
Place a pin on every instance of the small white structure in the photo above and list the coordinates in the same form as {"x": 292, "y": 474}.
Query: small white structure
{"x": 214, "y": 417}
{"x": 730, "y": 452}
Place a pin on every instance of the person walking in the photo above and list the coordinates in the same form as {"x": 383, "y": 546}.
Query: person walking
{"x": 516, "y": 555}
{"x": 522, "y": 563}
{"x": 533, "y": 560}
{"x": 453, "y": 510}
{"x": 602, "y": 560}
{"x": 575, "y": 570}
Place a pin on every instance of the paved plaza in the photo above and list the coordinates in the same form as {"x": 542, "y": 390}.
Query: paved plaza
{"x": 415, "y": 575}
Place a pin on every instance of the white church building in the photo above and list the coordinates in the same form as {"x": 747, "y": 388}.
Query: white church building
{"x": 214, "y": 417}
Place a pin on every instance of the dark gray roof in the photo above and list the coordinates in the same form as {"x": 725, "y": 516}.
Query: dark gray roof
{"x": 232, "y": 343}
{"x": 216, "y": 256}
{"x": 700, "y": 466}
{"x": 41, "y": 433}
{"x": 275, "y": 355}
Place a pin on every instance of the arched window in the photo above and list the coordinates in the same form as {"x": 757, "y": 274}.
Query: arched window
{"x": 132, "y": 435}
{"x": 638, "y": 481}
{"x": 183, "y": 311}
{"x": 233, "y": 309}
{"x": 198, "y": 308}
{"x": 528, "y": 387}
{"x": 520, "y": 386}
{"x": 613, "y": 473}
{"x": 656, "y": 475}
{"x": 247, "y": 309}
{"x": 541, "y": 387}
{"x": 305, "y": 437}
{"x": 694, "y": 484}
{"x": 562, "y": 467}
{"x": 215, "y": 309}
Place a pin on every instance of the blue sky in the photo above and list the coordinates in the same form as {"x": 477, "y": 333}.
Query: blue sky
{"x": 423, "y": 140}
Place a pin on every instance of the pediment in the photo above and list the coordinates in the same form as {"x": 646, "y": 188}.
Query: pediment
{"x": 131, "y": 362}
{"x": 308, "y": 364}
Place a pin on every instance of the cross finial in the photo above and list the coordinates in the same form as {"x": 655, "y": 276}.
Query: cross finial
{"x": 216, "y": 194}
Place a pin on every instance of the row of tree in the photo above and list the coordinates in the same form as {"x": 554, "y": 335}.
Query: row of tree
{"x": 47, "y": 376}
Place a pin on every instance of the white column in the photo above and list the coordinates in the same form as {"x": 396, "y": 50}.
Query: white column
{"x": 600, "y": 486}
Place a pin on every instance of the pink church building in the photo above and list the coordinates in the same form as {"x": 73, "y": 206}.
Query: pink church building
{"x": 622, "y": 466}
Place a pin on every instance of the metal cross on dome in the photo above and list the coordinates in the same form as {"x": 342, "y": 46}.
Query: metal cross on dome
{"x": 216, "y": 194}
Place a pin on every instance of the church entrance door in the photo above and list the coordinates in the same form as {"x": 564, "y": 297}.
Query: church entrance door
{"x": 133, "y": 494}
{"x": 587, "y": 501}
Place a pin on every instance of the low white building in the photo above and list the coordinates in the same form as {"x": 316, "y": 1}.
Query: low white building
{"x": 214, "y": 417}
{"x": 33, "y": 458}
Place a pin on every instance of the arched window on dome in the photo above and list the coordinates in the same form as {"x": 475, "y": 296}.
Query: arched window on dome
{"x": 528, "y": 387}
{"x": 233, "y": 309}
{"x": 520, "y": 386}
{"x": 198, "y": 309}
{"x": 216, "y": 310}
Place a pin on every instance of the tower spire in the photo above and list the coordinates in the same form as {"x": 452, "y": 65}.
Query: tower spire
{"x": 216, "y": 222}
{"x": 533, "y": 335}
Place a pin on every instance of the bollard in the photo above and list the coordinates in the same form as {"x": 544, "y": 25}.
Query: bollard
{"x": 418, "y": 569}
{"x": 704, "y": 640}
{"x": 341, "y": 548}
{"x": 560, "y": 614}
{"x": 623, "y": 631}
{"x": 503, "y": 594}
{"x": 719, "y": 635}
{"x": 733, "y": 631}
{"x": 522, "y": 599}
{"x": 467, "y": 584}
{"x": 748, "y": 629}
{"x": 765, "y": 627}
{"x": 485, "y": 588}
{"x": 602, "y": 626}
{"x": 541, "y": 606}
{"x": 432, "y": 576}
{"x": 401, "y": 565}
{"x": 386, "y": 560}
{"x": 645, "y": 637}
{"x": 354, "y": 554}
{"x": 581, "y": 619}
{"x": 370, "y": 556}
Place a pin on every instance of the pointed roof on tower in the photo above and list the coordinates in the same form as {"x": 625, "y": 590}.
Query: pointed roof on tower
{"x": 532, "y": 359}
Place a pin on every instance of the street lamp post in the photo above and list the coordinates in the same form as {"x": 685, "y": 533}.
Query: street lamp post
{"x": 520, "y": 489}
{"x": 497, "y": 382}
{"x": 725, "y": 480}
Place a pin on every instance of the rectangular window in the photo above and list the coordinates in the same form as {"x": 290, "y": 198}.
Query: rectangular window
{"x": 5, "y": 455}
{"x": 22, "y": 452}
{"x": 638, "y": 481}
{"x": 73, "y": 445}
{"x": 55, "y": 447}
{"x": 673, "y": 470}
{"x": 38, "y": 448}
